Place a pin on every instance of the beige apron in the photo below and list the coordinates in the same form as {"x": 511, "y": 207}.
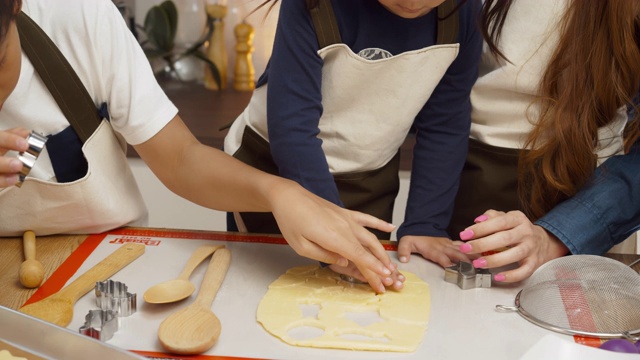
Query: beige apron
{"x": 368, "y": 109}
{"x": 105, "y": 198}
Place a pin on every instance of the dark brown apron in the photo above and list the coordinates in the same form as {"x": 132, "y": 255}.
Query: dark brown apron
{"x": 372, "y": 192}
{"x": 489, "y": 180}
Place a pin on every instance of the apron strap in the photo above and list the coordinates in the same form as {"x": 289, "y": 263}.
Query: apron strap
{"x": 324, "y": 21}
{"x": 327, "y": 32}
{"x": 59, "y": 77}
{"x": 448, "y": 22}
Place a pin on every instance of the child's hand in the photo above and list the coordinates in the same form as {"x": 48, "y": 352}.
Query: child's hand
{"x": 13, "y": 139}
{"x": 395, "y": 280}
{"x": 440, "y": 250}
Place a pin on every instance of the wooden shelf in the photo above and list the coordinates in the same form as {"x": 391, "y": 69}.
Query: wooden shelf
{"x": 206, "y": 111}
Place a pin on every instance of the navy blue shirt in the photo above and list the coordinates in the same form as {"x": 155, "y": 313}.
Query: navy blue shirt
{"x": 294, "y": 102}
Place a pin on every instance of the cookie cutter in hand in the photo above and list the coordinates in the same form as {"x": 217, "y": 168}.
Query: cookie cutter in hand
{"x": 28, "y": 158}
{"x": 467, "y": 276}
{"x": 100, "y": 324}
{"x": 351, "y": 279}
{"x": 113, "y": 295}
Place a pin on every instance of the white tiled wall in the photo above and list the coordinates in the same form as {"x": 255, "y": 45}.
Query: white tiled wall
{"x": 191, "y": 13}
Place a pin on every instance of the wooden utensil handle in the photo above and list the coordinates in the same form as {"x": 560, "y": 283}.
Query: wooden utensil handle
{"x": 29, "y": 245}
{"x": 196, "y": 258}
{"x": 214, "y": 276}
{"x": 102, "y": 270}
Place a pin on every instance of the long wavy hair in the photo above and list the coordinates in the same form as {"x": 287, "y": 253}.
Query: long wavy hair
{"x": 594, "y": 71}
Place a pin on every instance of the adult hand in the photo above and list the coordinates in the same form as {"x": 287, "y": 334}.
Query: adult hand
{"x": 13, "y": 139}
{"x": 440, "y": 250}
{"x": 323, "y": 231}
{"x": 507, "y": 238}
{"x": 395, "y": 280}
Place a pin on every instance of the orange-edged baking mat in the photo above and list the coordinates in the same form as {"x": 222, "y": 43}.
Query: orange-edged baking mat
{"x": 257, "y": 260}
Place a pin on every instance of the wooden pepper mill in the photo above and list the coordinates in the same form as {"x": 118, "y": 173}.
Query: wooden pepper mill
{"x": 216, "y": 51}
{"x": 243, "y": 71}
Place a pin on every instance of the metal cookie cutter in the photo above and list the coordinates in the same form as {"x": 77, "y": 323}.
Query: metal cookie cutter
{"x": 113, "y": 295}
{"x": 100, "y": 324}
{"x": 467, "y": 277}
{"x": 351, "y": 279}
{"x": 28, "y": 158}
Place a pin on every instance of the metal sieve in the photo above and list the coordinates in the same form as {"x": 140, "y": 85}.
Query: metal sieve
{"x": 584, "y": 295}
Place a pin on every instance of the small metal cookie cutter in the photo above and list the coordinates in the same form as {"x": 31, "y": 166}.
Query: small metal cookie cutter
{"x": 113, "y": 295}
{"x": 351, "y": 279}
{"x": 100, "y": 324}
{"x": 28, "y": 158}
{"x": 467, "y": 277}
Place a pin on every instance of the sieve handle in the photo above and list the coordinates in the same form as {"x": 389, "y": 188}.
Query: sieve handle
{"x": 505, "y": 308}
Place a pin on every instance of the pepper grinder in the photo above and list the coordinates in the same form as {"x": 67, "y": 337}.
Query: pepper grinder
{"x": 244, "y": 72}
{"x": 216, "y": 51}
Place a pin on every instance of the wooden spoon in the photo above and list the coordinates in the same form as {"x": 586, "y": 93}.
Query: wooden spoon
{"x": 31, "y": 271}
{"x": 58, "y": 308}
{"x": 180, "y": 288}
{"x": 194, "y": 329}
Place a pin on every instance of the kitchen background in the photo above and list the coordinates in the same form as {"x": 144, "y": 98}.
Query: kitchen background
{"x": 167, "y": 210}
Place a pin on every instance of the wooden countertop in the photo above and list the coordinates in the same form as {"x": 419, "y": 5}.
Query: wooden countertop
{"x": 52, "y": 251}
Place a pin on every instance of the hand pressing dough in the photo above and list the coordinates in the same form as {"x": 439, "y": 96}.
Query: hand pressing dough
{"x": 404, "y": 313}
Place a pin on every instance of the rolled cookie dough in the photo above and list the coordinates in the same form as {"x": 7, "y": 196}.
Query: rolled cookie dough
{"x": 404, "y": 313}
{"x": 6, "y": 355}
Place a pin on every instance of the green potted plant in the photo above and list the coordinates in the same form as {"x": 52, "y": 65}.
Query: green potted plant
{"x": 160, "y": 25}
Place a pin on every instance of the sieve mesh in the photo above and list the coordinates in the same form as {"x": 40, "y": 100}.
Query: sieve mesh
{"x": 583, "y": 294}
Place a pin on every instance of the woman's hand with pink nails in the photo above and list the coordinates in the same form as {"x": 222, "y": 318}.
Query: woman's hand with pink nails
{"x": 440, "y": 250}
{"x": 507, "y": 238}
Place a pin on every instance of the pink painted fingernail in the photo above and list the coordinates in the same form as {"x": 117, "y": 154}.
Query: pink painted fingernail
{"x": 465, "y": 248}
{"x": 480, "y": 263}
{"x": 499, "y": 277}
{"x": 403, "y": 259}
{"x": 467, "y": 234}
{"x": 480, "y": 218}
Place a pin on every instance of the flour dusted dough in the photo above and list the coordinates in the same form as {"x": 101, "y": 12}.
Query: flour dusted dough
{"x": 405, "y": 313}
{"x": 6, "y": 355}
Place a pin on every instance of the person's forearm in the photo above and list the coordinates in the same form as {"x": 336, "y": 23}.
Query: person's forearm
{"x": 605, "y": 212}
{"x": 205, "y": 175}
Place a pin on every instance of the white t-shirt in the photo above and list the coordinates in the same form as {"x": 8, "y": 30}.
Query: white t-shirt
{"x": 95, "y": 40}
{"x": 502, "y": 96}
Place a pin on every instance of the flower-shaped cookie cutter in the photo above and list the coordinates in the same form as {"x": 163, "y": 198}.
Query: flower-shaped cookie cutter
{"x": 467, "y": 276}
{"x": 113, "y": 295}
{"x": 100, "y": 324}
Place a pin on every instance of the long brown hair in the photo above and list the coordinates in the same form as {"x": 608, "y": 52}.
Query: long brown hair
{"x": 593, "y": 72}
